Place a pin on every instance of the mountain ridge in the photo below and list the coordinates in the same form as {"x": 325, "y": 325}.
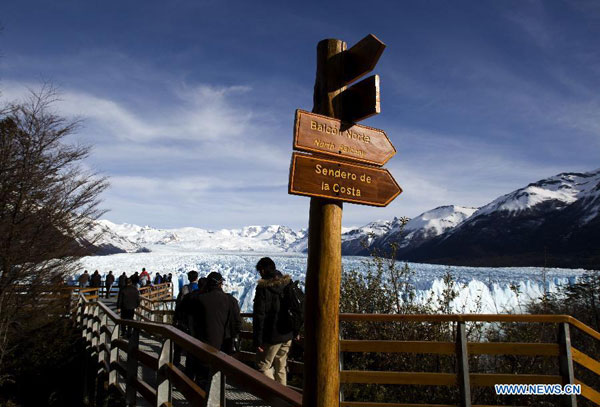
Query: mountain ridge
{"x": 554, "y": 221}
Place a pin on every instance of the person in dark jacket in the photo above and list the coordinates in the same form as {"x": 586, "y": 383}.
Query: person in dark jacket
{"x": 122, "y": 282}
{"x": 272, "y": 339}
{"x": 128, "y": 302}
{"x": 212, "y": 313}
{"x": 83, "y": 279}
{"x": 135, "y": 279}
{"x": 157, "y": 279}
{"x": 95, "y": 280}
{"x": 231, "y": 341}
{"x": 110, "y": 280}
{"x": 182, "y": 317}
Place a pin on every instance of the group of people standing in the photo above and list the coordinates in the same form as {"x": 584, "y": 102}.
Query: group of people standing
{"x": 138, "y": 279}
{"x": 209, "y": 314}
{"x": 206, "y": 312}
{"x": 144, "y": 279}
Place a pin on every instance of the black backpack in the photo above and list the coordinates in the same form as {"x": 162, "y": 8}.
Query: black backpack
{"x": 292, "y": 307}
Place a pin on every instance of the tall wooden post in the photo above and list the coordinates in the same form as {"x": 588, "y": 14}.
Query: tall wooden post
{"x": 324, "y": 269}
{"x": 565, "y": 360}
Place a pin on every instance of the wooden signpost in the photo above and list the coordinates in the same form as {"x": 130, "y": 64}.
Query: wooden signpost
{"x": 360, "y": 100}
{"x": 354, "y": 183}
{"x": 330, "y": 176}
{"x": 361, "y": 58}
{"x": 324, "y": 135}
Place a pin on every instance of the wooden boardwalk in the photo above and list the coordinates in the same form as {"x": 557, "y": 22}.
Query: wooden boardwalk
{"x": 151, "y": 345}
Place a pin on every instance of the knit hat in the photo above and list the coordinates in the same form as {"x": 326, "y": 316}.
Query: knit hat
{"x": 214, "y": 278}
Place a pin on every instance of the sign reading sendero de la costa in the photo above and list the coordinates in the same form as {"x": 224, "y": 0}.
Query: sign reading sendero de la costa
{"x": 325, "y": 135}
{"x": 312, "y": 176}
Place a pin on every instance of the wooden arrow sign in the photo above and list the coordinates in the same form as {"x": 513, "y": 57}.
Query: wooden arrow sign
{"x": 311, "y": 176}
{"x": 325, "y": 135}
{"x": 361, "y": 58}
{"x": 360, "y": 100}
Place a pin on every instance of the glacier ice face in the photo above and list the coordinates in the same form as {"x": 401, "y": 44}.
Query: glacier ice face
{"x": 481, "y": 289}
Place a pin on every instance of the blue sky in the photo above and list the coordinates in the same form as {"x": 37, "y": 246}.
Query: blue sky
{"x": 190, "y": 104}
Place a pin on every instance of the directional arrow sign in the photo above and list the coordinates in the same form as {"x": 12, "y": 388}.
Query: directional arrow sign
{"x": 311, "y": 176}
{"x": 360, "y": 100}
{"x": 361, "y": 58}
{"x": 325, "y": 135}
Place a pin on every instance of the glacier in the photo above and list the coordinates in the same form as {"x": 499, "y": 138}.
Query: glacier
{"x": 485, "y": 290}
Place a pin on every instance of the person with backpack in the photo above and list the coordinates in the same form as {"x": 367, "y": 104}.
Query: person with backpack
{"x": 272, "y": 326}
{"x": 192, "y": 276}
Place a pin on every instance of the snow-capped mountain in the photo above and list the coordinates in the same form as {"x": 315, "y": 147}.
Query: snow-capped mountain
{"x": 554, "y": 193}
{"x": 381, "y": 234}
{"x": 111, "y": 241}
{"x": 356, "y": 241}
{"x": 553, "y": 222}
{"x": 267, "y": 239}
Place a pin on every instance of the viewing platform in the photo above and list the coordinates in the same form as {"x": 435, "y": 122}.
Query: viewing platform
{"x": 141, "y": 368}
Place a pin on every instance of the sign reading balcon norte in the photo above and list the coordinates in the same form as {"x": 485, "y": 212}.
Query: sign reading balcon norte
{"x": 325, "y": 135}
{"x": 312, "y": 176}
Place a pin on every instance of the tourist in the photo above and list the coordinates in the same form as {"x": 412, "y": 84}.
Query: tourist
{"x": 135, "y": 279}
{"x": 271, "y": 341}
{"x": 108, "y": 282}
{"x": 144, "y": 278}
{"x": 83, "y": 279}
{"x": 96, "y": 280}
{"x": 211, "y": 313}
{"x": 157, "y": 278}
{"x": 122, "y": 282}
{"x": 127, "y": 303}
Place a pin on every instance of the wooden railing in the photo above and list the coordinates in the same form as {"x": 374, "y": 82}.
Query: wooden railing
{"x": 462, "y": 349}
{"x": 565, "y": 353}
{"x": 105, "y": 341}
{"x": 157, "y": 303}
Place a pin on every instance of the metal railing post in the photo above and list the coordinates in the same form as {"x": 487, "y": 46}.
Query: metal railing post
{"x": 163, "y": 385}
{"x": 462, "y": 362}
{"x": 132, "y": 367}
{"x": 565, "y": 363}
